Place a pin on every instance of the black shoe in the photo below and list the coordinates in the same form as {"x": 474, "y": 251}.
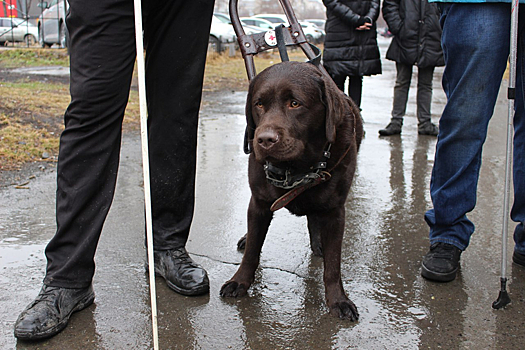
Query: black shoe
{"x": 49, "y": 313}
{"x": 428, "y": 129}
{"x": 441, "y": 263}
{"x": 394, "y": 128}
{"x": 181, "y": 273}
{"x": 518, "y": 258}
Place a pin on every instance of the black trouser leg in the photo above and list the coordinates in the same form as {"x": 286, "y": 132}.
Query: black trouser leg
{"x": 355, "y": 88}
{"x": 102, "y": 57}
{"x": 102, "y": 50}
{"x": 177, "y": 34}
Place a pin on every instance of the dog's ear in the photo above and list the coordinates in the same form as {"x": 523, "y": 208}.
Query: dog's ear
{"x": 249, "y": 133}
{"x": 335, "y": 104}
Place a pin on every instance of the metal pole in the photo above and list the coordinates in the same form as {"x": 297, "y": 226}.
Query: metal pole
{"x": 504, "y": 298}
{"x": 145, "y": 165}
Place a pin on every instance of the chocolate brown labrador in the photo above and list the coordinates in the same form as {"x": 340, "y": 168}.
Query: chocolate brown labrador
{"x": 304, "y": 134}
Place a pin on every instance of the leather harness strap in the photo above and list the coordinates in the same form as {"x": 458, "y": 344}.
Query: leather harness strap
{"x": 292, "y": 194}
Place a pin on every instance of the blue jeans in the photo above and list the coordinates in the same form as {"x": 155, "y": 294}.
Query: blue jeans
{"x": 476, "y": 40}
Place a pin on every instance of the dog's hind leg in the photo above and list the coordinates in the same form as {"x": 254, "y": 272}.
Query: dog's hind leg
{"x": 241, "y": 243}
{"x": 259, "y": 218}
{"x": 331, "y": 227}
{"x": 315, "y": 239}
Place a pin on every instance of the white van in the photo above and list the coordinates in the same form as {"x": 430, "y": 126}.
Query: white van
{"x": 51, "y": 23}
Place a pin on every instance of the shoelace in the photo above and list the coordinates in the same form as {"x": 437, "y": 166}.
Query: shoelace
{"x": 182, "y": 256}
{"x": 48, "y": 294}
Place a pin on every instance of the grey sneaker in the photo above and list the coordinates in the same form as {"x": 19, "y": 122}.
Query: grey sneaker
{"x": 428, "y": 129}
{"x": 394, "y": 128}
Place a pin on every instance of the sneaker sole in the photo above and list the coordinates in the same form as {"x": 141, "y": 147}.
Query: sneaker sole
{"x": 84, "y": 303}
{"x": 437, "y": 276}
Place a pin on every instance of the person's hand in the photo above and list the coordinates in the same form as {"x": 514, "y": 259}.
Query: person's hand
{"x": 365, "y": 26}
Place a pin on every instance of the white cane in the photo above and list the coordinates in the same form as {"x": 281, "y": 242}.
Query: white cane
{"x": 145, "y": 165}
{"x": 504, "y": 298}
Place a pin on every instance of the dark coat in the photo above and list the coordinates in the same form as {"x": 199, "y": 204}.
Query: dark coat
{"x": 348, "y": 51}
{"x": 417, "y": 32}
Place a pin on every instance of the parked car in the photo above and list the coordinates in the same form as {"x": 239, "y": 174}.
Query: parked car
{"x": 257, "y": 22}
{"x": 312, "y": 33}
{"x": 51, "y": 24}
{"x": 318, "y": 22}
{"x": 221, "y": 33}
{"x": 273, "y": 18}
{"x": 17, "y": 30}
{"x": 248, "y": 29}
{"x": 223, "y": 17}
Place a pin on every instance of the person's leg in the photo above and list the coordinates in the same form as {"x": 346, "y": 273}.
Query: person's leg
{"x": 355, "y": 88}
{"x": 424, "y": 94}
{"x": 401, "y": 88}
{"x": 174, "y": 77}
{"x": 475, "y": 62}
{"x": 424, "y": 101}
{"x": 339, "y": 80}
{"x": 102, "y": 55}
{"x": 518, "y": 208}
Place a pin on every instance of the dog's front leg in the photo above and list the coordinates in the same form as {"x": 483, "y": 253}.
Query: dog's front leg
{"x": 259, "y": 218}
{"x": 331, "y": 226}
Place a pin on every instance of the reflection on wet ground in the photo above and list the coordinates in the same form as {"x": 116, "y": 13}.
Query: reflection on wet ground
{"x": 385, "y": 239}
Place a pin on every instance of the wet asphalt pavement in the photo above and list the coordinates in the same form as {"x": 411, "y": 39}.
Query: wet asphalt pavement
{"x": 385, "y": 239}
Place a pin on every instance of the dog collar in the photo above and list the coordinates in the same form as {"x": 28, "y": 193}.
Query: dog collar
{"x": 295, "y": 182}
{"x": 289, "y": 178}
{"x": 303, "y": 182}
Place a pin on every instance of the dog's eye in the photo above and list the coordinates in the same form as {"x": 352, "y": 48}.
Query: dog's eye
{"x": 294, "y": 104}
{"x": 259, "y": 104}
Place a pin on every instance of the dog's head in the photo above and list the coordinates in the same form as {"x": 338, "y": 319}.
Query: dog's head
{"x": 292, "y": 111}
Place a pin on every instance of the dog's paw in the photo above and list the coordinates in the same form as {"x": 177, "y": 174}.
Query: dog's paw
{"x": 233, "y": 289}
{"x": 345, "y": 310}
{"x": 241, "y": 244}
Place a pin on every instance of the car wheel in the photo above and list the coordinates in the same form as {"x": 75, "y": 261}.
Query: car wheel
{"x": 62, "y": 37}
{"x": 214, "y": 44}
{"x": 30, "y": 40}
{"x": 309, "y": 38}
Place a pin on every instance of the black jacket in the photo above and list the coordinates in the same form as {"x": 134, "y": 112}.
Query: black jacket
{"x": 348, "y": 51}
{"x": 417, "y": 32}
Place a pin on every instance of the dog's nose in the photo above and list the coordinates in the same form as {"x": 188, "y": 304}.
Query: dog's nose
{"x": 267, "y": 138}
